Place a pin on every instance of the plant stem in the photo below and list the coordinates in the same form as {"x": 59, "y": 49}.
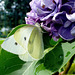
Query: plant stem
{"x": 68, "y": 65}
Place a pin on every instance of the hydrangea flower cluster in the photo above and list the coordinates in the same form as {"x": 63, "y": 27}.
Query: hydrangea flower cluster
{"x": 57, "y": 17}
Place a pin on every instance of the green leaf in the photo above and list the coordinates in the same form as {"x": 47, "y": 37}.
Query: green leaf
{"x": 53, "y": 43}
{"x": 9, "y": 61}
{"x": 41, "y": 70}
{"x": 46, "y": 40}
{"x": 59, "y": 56}
{"x": 27, "y": 69}
{"x": 44, "y": 72}
{"x": 15, "y": 29}
{"x": 49, "y": 42}
{"x": 1, "y": 40}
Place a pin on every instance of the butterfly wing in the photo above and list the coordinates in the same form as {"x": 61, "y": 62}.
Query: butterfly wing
{"x": 35, "y": 44}
{"x": 12, "y": 46}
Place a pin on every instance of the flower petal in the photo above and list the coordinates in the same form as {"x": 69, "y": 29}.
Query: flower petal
{"x": 71, "y": 17}
{"x": 32, "y": 14}
{"x": 30, "y": 21}
{"x": 65, "y": 33}
{"x": 73, "y": 31}
{"x": 61, "y": 18}
{"x": 48, "y": 3}
{"x": 66, "y": 7}
{"x": 48, "y": 16}
{"x": 67, "y": 23}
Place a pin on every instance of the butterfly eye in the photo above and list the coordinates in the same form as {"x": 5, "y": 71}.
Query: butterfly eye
{"x": 24, "y": 38}
{"x": 15, "y": 43}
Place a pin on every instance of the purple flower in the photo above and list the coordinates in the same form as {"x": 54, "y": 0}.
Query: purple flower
{"x": 42, "y": 10}
{"x": 57, "y": 17}
{"x": 66, "y": 21}
{"x": 32, "y": 18}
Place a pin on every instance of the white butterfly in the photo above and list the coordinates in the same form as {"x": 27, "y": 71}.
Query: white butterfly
{"x": 27, "y": 42}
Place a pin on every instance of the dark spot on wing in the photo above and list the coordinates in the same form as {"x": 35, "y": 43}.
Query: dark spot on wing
{"x": 24, "y": 38}
{"x": 16, "y": 43}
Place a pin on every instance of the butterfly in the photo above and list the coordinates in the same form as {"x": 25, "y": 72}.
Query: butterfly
{"x": 26, "y": 42}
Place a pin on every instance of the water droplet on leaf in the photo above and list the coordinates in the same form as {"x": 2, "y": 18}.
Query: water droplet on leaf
{"x": 61, "y": 56}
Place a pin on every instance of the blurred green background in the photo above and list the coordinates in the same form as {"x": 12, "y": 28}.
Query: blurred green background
{"x": 12, "y": 13}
